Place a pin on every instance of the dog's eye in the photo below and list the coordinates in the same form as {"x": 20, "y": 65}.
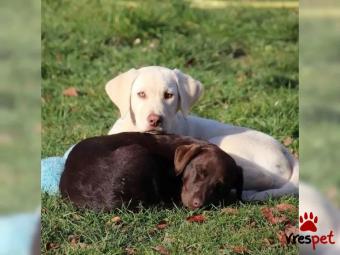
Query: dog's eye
{"x": 168, "y": 95}
{"x": 141, "y": 94}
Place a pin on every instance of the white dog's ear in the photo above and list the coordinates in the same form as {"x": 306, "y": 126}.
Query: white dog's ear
{"x": 189, "y": 90}
{"x": 119, "y": 90}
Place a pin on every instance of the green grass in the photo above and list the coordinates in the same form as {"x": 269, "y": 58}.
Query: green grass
{"x": 86, "y": 43}
{"x": 219, "y": 234}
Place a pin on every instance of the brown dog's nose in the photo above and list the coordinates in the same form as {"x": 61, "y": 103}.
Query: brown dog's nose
{"x": 196, "y": 203}
{"x": 154, "y": 120}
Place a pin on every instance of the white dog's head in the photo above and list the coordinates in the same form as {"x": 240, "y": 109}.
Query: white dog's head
{"x": 151, "y": 96}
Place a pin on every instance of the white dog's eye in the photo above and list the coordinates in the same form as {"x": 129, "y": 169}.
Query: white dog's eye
{"x": 168, "y": 95}
{"x": 141, "y": 94}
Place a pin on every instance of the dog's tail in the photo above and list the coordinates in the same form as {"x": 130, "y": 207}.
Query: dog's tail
{"x": 289, "y": 188}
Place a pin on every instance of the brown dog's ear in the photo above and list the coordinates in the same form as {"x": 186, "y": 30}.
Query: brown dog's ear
{"x": 189, "y": 90}
{"x": 184, "y": 154}
{"x": 119, "y": 90}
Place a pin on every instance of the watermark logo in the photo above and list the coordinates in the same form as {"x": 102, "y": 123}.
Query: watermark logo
{"x": 308, "y": 223}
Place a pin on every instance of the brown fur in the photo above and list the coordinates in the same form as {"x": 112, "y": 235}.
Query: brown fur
{"x": 208, "y": 174}
{"x": 105, "y": 172}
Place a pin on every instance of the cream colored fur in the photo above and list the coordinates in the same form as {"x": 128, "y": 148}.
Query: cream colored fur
{"x": 269, "y": 168}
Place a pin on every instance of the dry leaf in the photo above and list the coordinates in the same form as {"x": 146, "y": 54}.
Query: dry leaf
{"x": 162, "y": 224}
{"x": 280, "y": 219}
{"x": 268, "y": 214}
{"x": 252, "y": 224}
{"x": 196, "y": 218}
{"x": 70, "y": 92}
{"x": 282, "y": 238}
{"x": 161, "y": 250}
{"x": 153, "y": 231}
{"x": 116, "y": 220}
{"x": 229, "y": 210}
{"x": 52, "y": 246}
{"x": 290, "y": 229}
{"x": 285, "y": 207}
{"x": 287, "y": 141}
{"x": 73, "y": 239}
{"x": 240, "y": 250}
{"x": 267, "y": 241}
{"x": 130, "y": 251}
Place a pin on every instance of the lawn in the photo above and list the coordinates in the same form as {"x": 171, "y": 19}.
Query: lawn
{"x": 247, "y": 60}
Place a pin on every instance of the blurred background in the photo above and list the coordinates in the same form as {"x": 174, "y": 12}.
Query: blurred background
{"x": 19, "y": 126}
{"x": 19, "y": 105}
{"x": 320, "y": 95}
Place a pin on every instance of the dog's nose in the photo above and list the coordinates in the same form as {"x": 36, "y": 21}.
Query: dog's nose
{"x": 154, "y": 120}
{"x": 196, "y": 203}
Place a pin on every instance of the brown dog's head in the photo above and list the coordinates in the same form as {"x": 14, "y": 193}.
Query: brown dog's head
{"x": 208, "y": 174}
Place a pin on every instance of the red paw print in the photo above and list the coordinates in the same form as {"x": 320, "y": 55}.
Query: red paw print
{"x": 308, "y": 223}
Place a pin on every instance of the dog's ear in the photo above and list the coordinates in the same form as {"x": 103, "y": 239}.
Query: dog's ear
{"x": 119, "y": 90}
{"x": 184, "y": 154}
{"x": 189, "y": 90}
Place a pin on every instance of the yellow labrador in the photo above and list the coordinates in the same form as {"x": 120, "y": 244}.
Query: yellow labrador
{"x": 158, "y": 98}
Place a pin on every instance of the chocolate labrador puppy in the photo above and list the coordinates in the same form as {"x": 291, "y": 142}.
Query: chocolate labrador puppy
{"x": 208, "y": 174}
{"x": 106, "y": 172}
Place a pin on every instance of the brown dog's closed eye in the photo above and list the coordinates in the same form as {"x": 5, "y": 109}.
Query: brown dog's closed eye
{"x": 184, "y": 154}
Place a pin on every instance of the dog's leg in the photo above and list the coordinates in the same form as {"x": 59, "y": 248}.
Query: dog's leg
{"x": 289, "y": 188}
{"x": 269, "y": 169}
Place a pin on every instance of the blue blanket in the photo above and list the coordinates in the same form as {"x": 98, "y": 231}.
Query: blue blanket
{"x": 51, "y": 170}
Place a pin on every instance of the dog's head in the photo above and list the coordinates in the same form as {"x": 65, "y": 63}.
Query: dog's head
{"x": 151, "y": 96}
{"x": 208, "y": 174}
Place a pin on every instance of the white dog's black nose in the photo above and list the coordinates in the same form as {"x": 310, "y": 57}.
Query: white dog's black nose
{"x": 154, "y": 120}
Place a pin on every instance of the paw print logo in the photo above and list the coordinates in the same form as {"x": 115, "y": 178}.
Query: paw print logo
{"x": 308, "y": 222}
